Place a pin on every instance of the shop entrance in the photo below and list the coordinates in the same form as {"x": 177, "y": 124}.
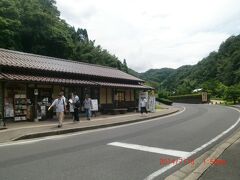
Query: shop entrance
{"x": 40, "y": 98}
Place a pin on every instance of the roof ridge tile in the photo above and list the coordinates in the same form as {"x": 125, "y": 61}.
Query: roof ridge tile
{"x": 40, "y": 62}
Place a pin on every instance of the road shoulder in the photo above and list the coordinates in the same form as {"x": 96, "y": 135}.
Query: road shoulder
{"x": 206, "y": 160}
{"x": 21, "y": 133}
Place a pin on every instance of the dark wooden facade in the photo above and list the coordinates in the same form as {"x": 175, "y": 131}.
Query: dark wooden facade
{"x": 22, "y": 74}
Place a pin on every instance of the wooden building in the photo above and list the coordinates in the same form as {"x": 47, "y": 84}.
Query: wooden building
{"x": 29, "y": 81}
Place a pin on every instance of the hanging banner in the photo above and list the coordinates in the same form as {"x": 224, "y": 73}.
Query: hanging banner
{"x": 35, "y": 92}
{"x": 152, "y": 104}
{"x": 204, "y": 97}
{"x": 94, "y": 105}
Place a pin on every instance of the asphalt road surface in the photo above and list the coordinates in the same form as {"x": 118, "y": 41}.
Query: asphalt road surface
{"x": 129, "y": 152}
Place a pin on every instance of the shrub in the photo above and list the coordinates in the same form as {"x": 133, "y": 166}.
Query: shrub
{"x": 164, "y": 101}
{"x": 188, "y": 98}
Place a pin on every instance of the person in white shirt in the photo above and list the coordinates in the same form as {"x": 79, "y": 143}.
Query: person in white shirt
{"x": 71, "y": 107}
{"x": 87, "y": 104}
{"x": 60, "y": 108}
{"x": 143, "y": 105}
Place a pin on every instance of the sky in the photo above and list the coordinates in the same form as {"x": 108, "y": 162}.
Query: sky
{"x": 152, "y": 34}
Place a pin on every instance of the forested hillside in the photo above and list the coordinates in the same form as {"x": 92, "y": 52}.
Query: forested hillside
{"x": 157, "y": 75}
{"x": 35, "y": 26}
{"x": 214, "y": 73}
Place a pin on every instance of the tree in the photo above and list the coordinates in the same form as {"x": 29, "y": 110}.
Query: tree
{"x": 35, "y": 26}
{"x": 9, "y": 24}
{"x": 233, "y": 93}
{"x": 125, "y": 67}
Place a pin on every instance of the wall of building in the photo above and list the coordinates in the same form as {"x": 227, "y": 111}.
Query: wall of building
{"x": 106, "y": 95}
{"x": 103, "y": 95}
{"x": 109, "y": 96}
{"x": 1, "y": 99}
{"x": 56, "y": 90}
{"x": 127, "y": 95}
{"x": 132, "y": 95}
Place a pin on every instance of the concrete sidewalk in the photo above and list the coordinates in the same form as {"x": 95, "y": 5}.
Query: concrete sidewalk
{"x": 25, "y": 130}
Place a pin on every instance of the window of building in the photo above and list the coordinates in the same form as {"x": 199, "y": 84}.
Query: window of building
{"x": 121, "y": 96}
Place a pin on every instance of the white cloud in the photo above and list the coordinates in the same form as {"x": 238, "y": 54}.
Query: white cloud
{"x": 155, "y": 33}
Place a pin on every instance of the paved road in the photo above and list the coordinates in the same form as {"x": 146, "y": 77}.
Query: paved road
{"x": 90, "y": 156}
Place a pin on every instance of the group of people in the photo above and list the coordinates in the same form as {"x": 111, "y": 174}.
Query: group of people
{"x": 74, "y": 107}
{"x": 75, "y": 104}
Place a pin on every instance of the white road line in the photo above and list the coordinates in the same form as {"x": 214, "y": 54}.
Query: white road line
{"x": 182, "y": 154}
{"x": 217, "y": 137}
{"x": 21, "y": 142}
{"x": 164, "y": 169}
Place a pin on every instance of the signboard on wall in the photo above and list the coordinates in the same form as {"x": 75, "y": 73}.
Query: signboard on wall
{"x": 152, "y": 103}
{"x": 204, "y": 97}
{"x": 35, "y": 92}
{"x": 94, "y": 105}
{"x": 8, "y": 107}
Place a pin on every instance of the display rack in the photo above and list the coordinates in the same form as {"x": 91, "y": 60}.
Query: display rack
{"x": 20, "y": 107}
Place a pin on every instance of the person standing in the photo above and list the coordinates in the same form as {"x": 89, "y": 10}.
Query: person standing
{"x": 60, "y": 106}
{"x": 71, "y": 107}
{"x": 143, "y": 105}
{"x": 87, "y": 104}
{"x": 76, "y": 105}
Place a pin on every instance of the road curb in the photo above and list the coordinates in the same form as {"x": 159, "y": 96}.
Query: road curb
{"x": 72, "y": 130}
{"x": 190, "y": 172}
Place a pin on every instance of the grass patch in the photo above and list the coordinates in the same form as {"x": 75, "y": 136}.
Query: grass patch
{"x": 158, "y": 106}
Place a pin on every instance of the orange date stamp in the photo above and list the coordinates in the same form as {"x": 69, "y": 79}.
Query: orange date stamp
{"x": 166, "y": 161}
{"x": 215, "y": 162}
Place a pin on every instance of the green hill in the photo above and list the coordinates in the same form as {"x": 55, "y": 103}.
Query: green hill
{"x": 217, "y": 70}
{"x": 157, "y": 75}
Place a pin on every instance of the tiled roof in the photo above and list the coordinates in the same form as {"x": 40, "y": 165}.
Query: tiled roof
{"x": 43, "y": 79}
{"x": 32, "y": 61}
{"x": 18, "y": 77}
{"x": 120, "y": 85}
{"x": 147, "y": 87}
